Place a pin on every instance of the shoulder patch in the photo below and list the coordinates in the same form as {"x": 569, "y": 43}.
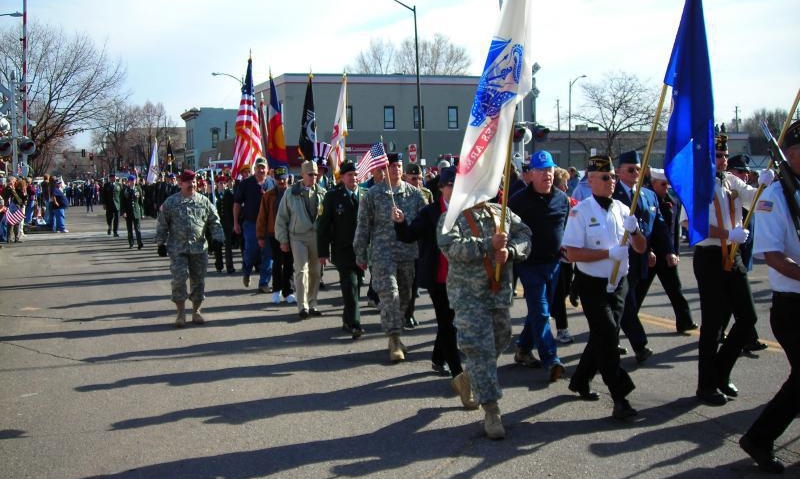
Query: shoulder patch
{"x": 572, "y": 212}
{"x": 764, "y": 205}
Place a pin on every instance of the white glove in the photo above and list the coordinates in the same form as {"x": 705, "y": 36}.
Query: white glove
{"x": 618, "y": 253}
{"x": 766, "y": 177}
{"x": 630, "y": 223}
{"x": 738, "y": 235}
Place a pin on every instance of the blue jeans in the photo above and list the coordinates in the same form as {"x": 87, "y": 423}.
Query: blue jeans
{"x": 59, "y": 219}
{"x": 29, "y": 211}
{"x": 539, "y": 282}
{"x": 255, "y": 256}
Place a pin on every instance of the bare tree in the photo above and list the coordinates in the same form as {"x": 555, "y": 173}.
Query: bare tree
{"x": 112, "y": 134}
{"x": 620, "y": 102}
{"x": 752, "y": 125}
{"x": 69, "y": 79}
{"x": 436, "y": 57}
{"x": 377, "y": 59}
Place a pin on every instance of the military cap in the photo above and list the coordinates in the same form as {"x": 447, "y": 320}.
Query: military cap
{"x": 721, "y": 142}
{"x": 393, "y": 157}
{"x": 739, "y": 162}
{"x": 187, "y": 175}
{"x": 347, "y": 167}
{"x": 308, "y": 167}
{"x": 261, "y": 161}
{"x": 629, "y": 158}
{"x": 602, "y": 163}
{"x": 792, "y": 135}
{"x": 280, "y": 172}
{"x": 413, "y": 169}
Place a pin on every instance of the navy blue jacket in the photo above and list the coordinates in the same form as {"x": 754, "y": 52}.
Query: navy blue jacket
{"x": 423, "y": 230}
{"x": 546, "y": 216}
{"x": 652, "y": 226}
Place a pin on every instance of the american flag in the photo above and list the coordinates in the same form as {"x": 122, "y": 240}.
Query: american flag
{"x": 374, "y": 158}
{"x": 247, "y": 145}
{"x": 15, "y": 214}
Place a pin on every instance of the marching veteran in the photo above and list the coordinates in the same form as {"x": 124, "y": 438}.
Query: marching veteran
{"x": 473, "y": 248}
{"x": 182, "y": 222}
{"x": 595, "y": 228}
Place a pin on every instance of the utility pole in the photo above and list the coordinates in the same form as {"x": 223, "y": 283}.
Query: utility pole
{"x": 736, "y": 119}
{"x": 558, "y": 114}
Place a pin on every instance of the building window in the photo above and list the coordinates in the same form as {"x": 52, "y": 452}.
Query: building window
{"x": 214, "y": 137}
{"x": 349, "y": 114}
{"x": 416, "y": 118}
{"x": 452, "y": 117}
{"x": 388, "y": 118}
{"x": 189, "y": 139}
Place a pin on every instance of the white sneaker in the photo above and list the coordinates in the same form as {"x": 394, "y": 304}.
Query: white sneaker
{"x": 564, "y": 337}
{"x": 276, "y": 297}
{"x": 291, "y": 299}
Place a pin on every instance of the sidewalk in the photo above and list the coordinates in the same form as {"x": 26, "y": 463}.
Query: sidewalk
{"x": 96, "y": 382}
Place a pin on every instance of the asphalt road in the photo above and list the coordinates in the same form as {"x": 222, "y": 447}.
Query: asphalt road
{"x": 95, "y": 382}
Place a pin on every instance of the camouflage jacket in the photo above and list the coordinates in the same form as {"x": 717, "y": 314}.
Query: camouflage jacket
{"x": 467, "y": 278}
{"x": 375, "y": 239}
{"x": 182, "y": 223}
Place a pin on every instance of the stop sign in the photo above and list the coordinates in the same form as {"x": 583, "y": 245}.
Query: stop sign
{"x": 412, "y": 152}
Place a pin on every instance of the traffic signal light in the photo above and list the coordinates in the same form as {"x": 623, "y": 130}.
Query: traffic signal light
{"x": 520, "y": 133}
{"x": 26, "y": 146}
{"x": 5, "y": 147}
{"x": 83, "y": 153}
{"x": 540, "y": 132}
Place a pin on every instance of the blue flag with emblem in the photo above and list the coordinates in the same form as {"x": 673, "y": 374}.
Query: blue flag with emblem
{"x": 689, "y": 162}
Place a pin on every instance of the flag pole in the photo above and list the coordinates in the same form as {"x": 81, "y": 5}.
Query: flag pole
{"x": 645, "y": 161}
{"x": 386, "y": 177}
{"x": 504, "y": 202}
{"x": 786, "y": 124}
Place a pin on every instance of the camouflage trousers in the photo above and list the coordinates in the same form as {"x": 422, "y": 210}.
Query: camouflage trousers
{"x": 192, "y": 267}
{"x": 483, "y": 334}
{"x": 392, "y": 281}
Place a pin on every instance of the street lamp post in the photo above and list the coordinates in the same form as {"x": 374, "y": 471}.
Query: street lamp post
{"x": 569, "y": 121}
{"x": 534, "y": 95}
{"x": 14, "y": 90}
{"x": 216, "y": 74}
{"x": 419, "y": 96}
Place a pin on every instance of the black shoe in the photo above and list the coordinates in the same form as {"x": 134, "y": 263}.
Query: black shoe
{"x": 357, "y": 332}
{"x": 711, "y": 397}
{"x": 728, "y": 389}
{"x": 623, "y": 410}
{"x": 303, "y": 314}
{"x": 130, "y": 246}
{"x": 685, "y": 329}
{"x": 109, "y": 232}
{"x": 116, "y": 235}
{"x": 140, "y": 246}
{"x": 443, "y": 369}
{"x": 314, "y": 312}
{"x": 410, "y": 323}
{"x": 622, "y": 350}
{"x": 754, "y": 346}
{"x": 322, "y": 285}
{"x": 345, "y": 327}
{"x": 585, "y": 393}
{"x": 643, "y": 354}
{"x": 763, "y": 456}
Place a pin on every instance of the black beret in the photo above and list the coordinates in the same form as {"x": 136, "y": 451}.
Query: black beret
{"x": 347, "y": 167}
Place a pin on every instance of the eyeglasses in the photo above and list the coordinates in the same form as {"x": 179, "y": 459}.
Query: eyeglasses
{"x": 609, "y": 177}
{"x": 721, "y": 155}
{"x": 633, "y": 169}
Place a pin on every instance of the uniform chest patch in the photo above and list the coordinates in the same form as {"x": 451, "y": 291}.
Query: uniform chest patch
{"x": 764, "y": 205}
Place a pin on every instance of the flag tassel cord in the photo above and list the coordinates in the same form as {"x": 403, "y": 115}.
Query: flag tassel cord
{"x": 645, "y": 161}
{"x": 786, "y": 124}
{"x": 506, "y": 181}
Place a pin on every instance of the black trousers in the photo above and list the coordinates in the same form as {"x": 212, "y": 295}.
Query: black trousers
{"x": 112, "y": 220}
{"x": 133, "y": 225}
{"x": 445, "y": 347}
{"x": 630, "y": 323}
{"x": 228, "y": 247}
{"x": 722, "y": 293}
{"x": 349, "y": 283}
{"x": 785, "y": 406}
{"x": 603, "y": 312}
{"x": 671, "y": 282}
{"x": 282, "y": 268}
{"x": 559, "y": 307}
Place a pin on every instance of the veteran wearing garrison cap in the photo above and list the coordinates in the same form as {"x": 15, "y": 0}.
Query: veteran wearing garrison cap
{"x": 592, "y": 237}
{"x": 180, "y": 233}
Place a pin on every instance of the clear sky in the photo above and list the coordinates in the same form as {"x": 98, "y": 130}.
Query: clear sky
{"x": 170, "y": 47}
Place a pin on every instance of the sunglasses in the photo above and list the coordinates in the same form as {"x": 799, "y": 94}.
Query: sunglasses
{"x": 721, "y": 155}
{"x": 633, "y": 169}
{"x": 608, "y": 177}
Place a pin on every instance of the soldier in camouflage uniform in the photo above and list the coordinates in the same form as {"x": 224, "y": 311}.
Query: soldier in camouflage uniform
{"x": 391, "y": 261}
{"x": 473, "y": 247}
{"x": 182, "y": 221}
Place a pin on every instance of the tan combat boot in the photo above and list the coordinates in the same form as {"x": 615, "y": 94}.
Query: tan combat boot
{"x": 396, "y": 348}
{"x": 180, "y": 321}
{"x": 463, "y": 388}
{"x": 197, "y": 316}
{"x": 493, "y": 425}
